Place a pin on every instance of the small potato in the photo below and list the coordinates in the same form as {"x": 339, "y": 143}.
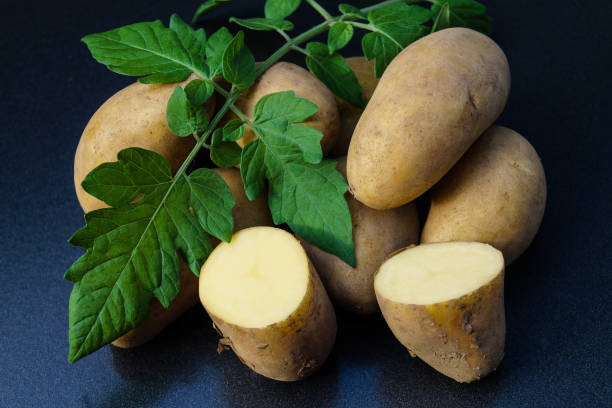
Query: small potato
{"x": 133, "y": 117}
{"x": 445, "y": 303}
{"x": 284, "y": 76}
{"x": 432, "y": 102}
{"x": 266, "y": 300}
{"x": 376, "y": 233}
{"x": 246, "y": 214}
{"x": 496, "y": 194}
{"x": 349, "y": 114}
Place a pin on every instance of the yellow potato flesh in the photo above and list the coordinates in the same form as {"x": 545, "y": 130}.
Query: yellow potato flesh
{"x": 258, "y": 279}
{"x": 435, "y": 273}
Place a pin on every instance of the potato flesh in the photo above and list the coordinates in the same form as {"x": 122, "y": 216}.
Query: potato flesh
{"x": 257, "y": 279}
{"x": 435, "y": 273}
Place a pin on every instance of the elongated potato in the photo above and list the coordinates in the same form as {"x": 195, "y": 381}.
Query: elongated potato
{"x": 133, "y": 117}
{"x": 349, "y": 114}
{"x": 445, "y": 303}
{"x": 246, "y": 214}
{"x": 376, "y": 233}
{"x": 266, "y": 300}
{"x": 496, "y": 194}
{"x": 434, "y": 99}
{"x": 285, "y": 76}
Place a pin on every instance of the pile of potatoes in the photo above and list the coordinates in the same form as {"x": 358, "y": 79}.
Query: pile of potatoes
{"x": 428, "y": 126}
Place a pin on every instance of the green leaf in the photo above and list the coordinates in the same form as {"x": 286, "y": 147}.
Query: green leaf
{"x": 215, "y": 47}
{"x": 224, "y": 153}
{"x": 194, "y": 41}
{"x": 233, "y": 130}
{"x": 263, "y": 24}
{"x": 280, "y": 9}
{"x": 305, "y": 192}
{"x": 148, "y": 50}
{"x": 351, "y": 11}
{"x": 184, "y": 118}
{"x": 338, "y": 36}
{"x": 132, "y": 249}
{"x": 334, "y": 72}
{"x": 395, "y": 26}
{"x": 461, "y": 13}
{"x": 199, "y": 91}
{"x": 207, "y": 6}
{"x": 239, "y": 63}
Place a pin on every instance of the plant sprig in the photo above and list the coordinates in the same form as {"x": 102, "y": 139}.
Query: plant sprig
{"x": 133, "y": 247}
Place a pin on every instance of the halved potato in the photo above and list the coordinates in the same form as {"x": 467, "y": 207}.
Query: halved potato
{"x": 268, "y": 303}
{"x": 445, "y": 303}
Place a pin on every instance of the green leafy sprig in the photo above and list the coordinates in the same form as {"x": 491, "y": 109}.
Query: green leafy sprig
{"x": 133, "y": 247}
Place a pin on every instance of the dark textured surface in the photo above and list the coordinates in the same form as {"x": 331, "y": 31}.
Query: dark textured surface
{"x": 557, "y": 294}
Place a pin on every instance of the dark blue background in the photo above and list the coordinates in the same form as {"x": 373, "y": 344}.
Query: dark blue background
{"x": 557, "y": 294}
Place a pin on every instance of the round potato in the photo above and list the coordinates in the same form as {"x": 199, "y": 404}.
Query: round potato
{"x": 133, "y": 117}
{"x": 284, "y": 76}
{"x": 496, "y": 194}
{"x": 246, "y": 214}
{"x": 376, "y": 233}
{"x": 350, "y": 114}
{"x": 445, "y": 303}
{"x": 268, "y": 304}
{"x": 434, "y": 99}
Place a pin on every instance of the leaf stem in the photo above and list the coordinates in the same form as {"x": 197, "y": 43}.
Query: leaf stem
{"x": 283, "y": 34}
{"x": 319, "y": 9}
{"x": 370, "y": 27}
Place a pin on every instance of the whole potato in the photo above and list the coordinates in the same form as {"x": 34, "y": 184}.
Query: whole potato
{"x": 246, "y": 214}
{"x": 350, "y": 114}
{"x": 496, "y": 194}
{"x": 434, "y": 99}
{"x": 376, "y": 233}
{"x": 133, "y": 117}
{"x": 284, "y": 76}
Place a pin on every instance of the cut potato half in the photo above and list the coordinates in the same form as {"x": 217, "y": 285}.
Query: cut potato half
{"x": 268, "y": 303}
{"x": 445, "y": 303}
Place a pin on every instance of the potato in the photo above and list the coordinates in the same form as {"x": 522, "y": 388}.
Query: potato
{"x": 349, "y": 114}
{"x": 284, "y": 76}
{"x": 434, "y": 99}
{"x": 266, "y": 300}
{"x": 376, "y": 233}
{"x": 246, "y": 214}
{"x": 496, "y": 194}
{"x": 445, "y": 303}
{"x": 133, "y": 117}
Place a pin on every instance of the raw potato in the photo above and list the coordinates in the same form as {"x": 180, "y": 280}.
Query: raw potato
{"x": 349, "y": 114}
{"x": 445, "y": 303}
{"x": 266, "y": 300}
{"x": 496, "y": 194}
{"x": 434, "y": 99}
{"x": 376, "y": 233}
{"x": 246, "y": 214}
{"x": 133, "y": 117}
{"x": 284, "y": 76}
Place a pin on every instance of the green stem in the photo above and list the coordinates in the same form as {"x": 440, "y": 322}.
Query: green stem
{"x": 320, "y": 9}
{"x": 370, "y": 27}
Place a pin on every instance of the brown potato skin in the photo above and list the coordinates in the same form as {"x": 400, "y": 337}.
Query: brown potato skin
{"x": 433, "y": 101}
{"x": 376, "y": 234}
{"x": 133, "y": 117}
{"x": 246, "y": 214}
{"x": 350, "y": 114}
{"x": 496, "y": 194}
{"x": 461, "y": 338}
{"x": 285, "y": 76}
{"x": 290, "y": 350}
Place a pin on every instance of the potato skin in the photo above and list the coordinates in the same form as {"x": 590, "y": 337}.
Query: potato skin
{"x": 461, "y": 338}
{"x": 376, "y": 234}
{"x": 289, "y": 350}
{"x": 285, "y": 76}
{"x": 496, "y": 194}
{"x": 434, "y": 99}
{"x": 133, "y": 117}
{"x": 349, "y": 114}
{"x": 246, "y": 214}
